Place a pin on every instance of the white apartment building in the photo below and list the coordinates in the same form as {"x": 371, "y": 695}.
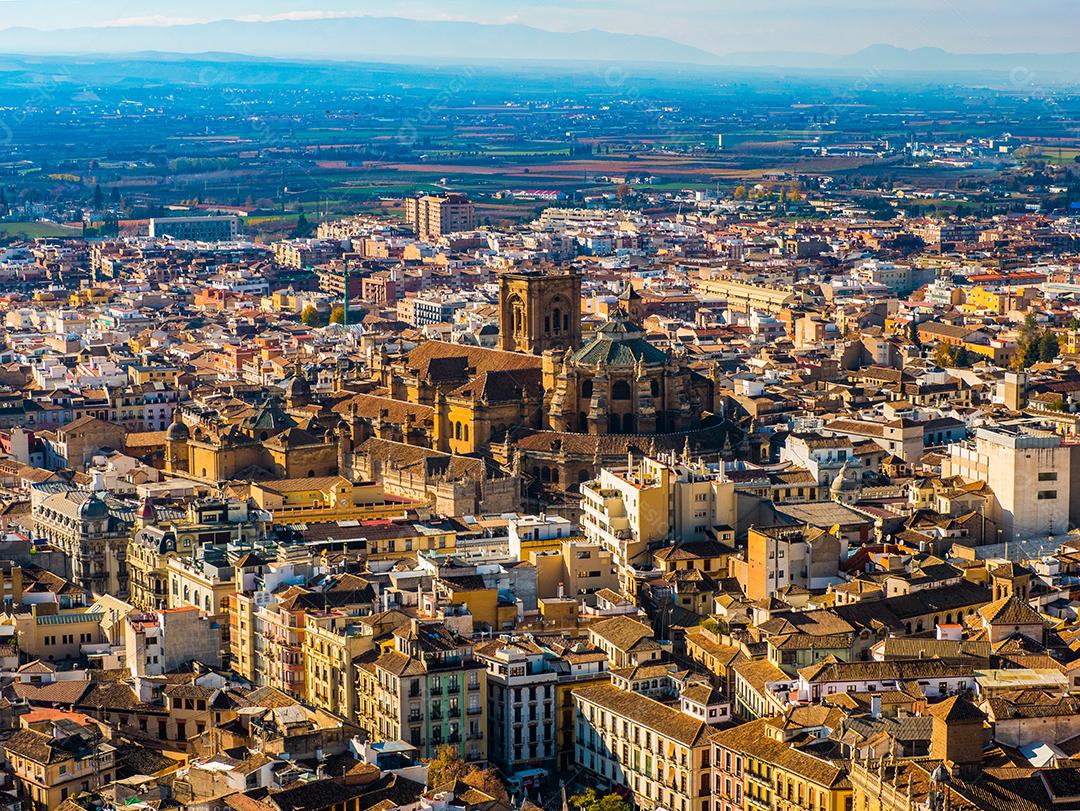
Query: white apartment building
{"x": 823, "y": 456}
{"x": 521, "y": 705}
{"x": 651, "y": 504}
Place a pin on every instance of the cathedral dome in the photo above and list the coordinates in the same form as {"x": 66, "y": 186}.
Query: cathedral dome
{"x": 297, "y": 389}
{"x": 847, "y": 481}
{"x": 177, "y": 432}
{"x": 619, "y": 342}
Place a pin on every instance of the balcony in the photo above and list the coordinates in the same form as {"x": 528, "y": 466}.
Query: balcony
{"x": 474, "y": 710}
{"x": 761, "y": 781}
{"x": 415, "y": 718}
{"x": 474, "y": 685}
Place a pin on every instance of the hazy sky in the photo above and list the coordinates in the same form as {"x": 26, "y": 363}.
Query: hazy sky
{"x": 721, "y": 26}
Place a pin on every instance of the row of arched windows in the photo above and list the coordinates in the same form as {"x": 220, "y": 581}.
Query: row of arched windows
{"x": 620, "y": 390}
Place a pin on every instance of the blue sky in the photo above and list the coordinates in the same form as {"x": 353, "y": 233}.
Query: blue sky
{"x": 721, "y": 26}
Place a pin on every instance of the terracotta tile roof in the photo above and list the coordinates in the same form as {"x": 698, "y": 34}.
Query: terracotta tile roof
{"x": 624, "y": 633}
{"x": 1010, "y": 611}
{"x": 752, "y": 739}
{"x": 57, "y": 692}
{"x": 660, "y": 718}
{"x": 478, "y": 358}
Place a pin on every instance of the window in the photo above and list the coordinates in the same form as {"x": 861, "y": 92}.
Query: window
{"x": 1047, "y": 495}
{"x": 1048, "y": 476}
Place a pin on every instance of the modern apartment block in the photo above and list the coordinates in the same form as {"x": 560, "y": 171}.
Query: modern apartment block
{"x": 653, "y": 503}
{"x": 432, "y": 216}
{"x": 200, "y": 229}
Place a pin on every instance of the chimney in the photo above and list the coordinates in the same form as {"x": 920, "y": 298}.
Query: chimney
{"x": 875, "y": 705}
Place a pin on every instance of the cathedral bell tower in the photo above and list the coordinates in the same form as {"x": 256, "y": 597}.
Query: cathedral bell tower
{"x": 539, "y": 310}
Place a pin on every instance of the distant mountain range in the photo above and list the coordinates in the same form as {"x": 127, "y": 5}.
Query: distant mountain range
{"x": 357, "y": 39}
{"x": 360, "y": 39}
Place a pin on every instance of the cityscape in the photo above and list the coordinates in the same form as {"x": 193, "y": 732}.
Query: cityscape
{"x": 539, "y": 406}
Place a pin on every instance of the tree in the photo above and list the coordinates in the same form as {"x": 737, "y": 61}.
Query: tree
{"x": 446, "y": 767}
{"x": 592, "y": 800}
{"x": 943, "y": 355}
{"x": 303, "y": 227}
{"x": 1028, "y": 344}
{"x": 740, "y": 193}
{"x": 962, "y": 357}
{"x": 337, "y": 315}
{"x": 99, "y": 198}
{"x": 913, "y": 333}
{"x": 1048, "y": 346}
{"x": 310, "y": 317}
{"x": 488, "y": 781}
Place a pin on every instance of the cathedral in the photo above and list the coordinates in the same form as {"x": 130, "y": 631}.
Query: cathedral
{"x": 619, "y": 383}
{"x": 548, "y": 408}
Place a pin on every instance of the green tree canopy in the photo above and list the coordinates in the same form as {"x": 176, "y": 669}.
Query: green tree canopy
{"x": 446, "y": 767}
{"x": 592, "y": 800}
{"x": 1048, "y": 346}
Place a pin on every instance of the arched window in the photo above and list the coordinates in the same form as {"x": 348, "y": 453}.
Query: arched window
{"x": 457, "y": 430}
{"x": 547, "y": 324}
{"x": 465, "y": 433}
{"x": 517, "y": 314}
{"x": 583, "y": 422}
{"x": 586, "y": 390}
{"x": 628, "y": 423}
{"x": 620, "y": 390}
{"x": 613, "y": 423}
{"x": 311, "y": 474}
{"x": 654, "y": 387}
{"x": 556, "y": 318}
